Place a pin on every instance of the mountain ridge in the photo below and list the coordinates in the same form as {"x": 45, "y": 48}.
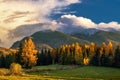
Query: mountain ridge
{"x": 52, "y": 38}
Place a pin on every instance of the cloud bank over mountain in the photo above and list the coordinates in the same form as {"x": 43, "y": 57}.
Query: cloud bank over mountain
{"x": 66, "y": 23}
{"x": 14, "y": 13}
{"x": 74, "y": 21}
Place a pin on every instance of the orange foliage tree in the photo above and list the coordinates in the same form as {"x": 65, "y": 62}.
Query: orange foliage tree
{"x": 29, "y": 54}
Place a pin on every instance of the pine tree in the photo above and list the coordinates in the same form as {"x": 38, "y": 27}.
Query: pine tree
{"x": 117, "y": 56}
{"x": 53, "y": 55}
{"x": 19, "y": 54}
{"x": 96, "y": 60}
{"x": 49, "y": 58}
{"x": 2, "y": 61}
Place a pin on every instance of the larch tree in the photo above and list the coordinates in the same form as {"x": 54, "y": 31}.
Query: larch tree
{"x": 29, "y": 53}
{"x": 67, "y": 54}
{"x": 104, "y": 55}
{"x": 78, "y": 54}
{"x": 92, "y": 50}
{"x": 111, "y": 48}
{"x": 110, "y": 57}
{"x": 85, "y": 54}
{"x": 63, "y": 55}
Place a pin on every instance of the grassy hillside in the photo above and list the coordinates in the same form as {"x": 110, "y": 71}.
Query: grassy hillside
{"x": 78, "y": 72}
{"x": 52, "y": 38}
{"x": 67, "y": 72}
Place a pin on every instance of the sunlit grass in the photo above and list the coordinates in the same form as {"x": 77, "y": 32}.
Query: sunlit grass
{"x": 67, "y": 72}
{"x": 26, "y": 77}
{"x": 89, "y": 72}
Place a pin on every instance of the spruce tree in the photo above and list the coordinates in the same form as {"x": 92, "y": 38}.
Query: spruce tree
{"x": 117, "y": 56}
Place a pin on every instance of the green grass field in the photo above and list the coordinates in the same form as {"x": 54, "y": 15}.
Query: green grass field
{"x": 67, "y": 72}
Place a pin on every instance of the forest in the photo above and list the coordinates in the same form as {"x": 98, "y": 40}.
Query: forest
{"x": 74, "y": 54}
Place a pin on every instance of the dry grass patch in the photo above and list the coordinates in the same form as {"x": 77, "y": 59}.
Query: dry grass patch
{"x": 4, "y": 71}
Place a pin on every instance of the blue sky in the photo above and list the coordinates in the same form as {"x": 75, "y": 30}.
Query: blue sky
{"x": 96, "y": 10}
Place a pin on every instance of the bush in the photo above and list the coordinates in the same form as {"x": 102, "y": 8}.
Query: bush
{"x": 15, "y": 69}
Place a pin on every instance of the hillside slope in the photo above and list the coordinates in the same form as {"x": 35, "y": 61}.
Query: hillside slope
{"x": 51, "y": 38}
{"x": 101, "y": 36}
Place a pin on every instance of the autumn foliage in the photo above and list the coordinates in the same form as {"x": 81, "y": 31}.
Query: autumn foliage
{"x": 15, "y": 69}
{"x": 74, "y": 54}
{"x": 28, "y": 54}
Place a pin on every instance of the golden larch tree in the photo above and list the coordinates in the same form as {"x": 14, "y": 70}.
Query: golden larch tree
{"x": 29, "y": 53}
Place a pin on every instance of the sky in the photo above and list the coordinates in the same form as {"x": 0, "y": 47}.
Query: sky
{"x": 21, "y": 18}
{"x": 96, "y": 10}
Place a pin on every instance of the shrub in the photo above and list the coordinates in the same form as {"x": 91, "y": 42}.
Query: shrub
{"x": 15, "y": 69}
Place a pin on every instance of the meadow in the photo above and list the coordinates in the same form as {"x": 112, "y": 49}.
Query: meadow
{"x": 67, "y": 72}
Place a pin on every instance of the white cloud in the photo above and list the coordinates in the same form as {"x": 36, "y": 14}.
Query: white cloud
{"x": 14, "y": 13}
{"x": 75, "y": 21}
{"x": 113, "y": 24}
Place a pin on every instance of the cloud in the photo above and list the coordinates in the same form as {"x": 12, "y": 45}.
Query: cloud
{"x": 78, "y": 22}
{"x": 113, "y": 24}
{"x": 27, "y": 30}
{"x": 14, "y": 13}
{"x": 66, "y": 23}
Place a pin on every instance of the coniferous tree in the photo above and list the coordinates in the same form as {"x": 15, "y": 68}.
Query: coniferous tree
{"x": 67, "y": 53}
{"x": 78, "y": 54}
{"x": 49, "y": 57}
{"x": 62, "y": 55}
{"x": 2, "y": 61}
{"x": 110, "y": 56}
{"x": 53, "y": 55}
{"x": 29, "y": 53}
{"x": 72, "y": 50}
{"x": 105, "y": 53}
{"x": 92, "y": 50}
{"x": 117, "y": 56}
{"x": 96, "y": 60}
{"x": 19, "y": 54}
{"x": 86, "y": 54}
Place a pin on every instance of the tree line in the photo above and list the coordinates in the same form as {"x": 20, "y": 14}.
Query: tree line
{"x": 74, "y": 54}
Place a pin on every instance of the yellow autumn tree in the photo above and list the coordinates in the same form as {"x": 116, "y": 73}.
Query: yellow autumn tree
{"x": 92, "y": 50}
{"x": 29, "y": 53}
{"x": 110, "y": 57}
{"x": 78, "y": 54}
{"x": 111, "y": 48}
